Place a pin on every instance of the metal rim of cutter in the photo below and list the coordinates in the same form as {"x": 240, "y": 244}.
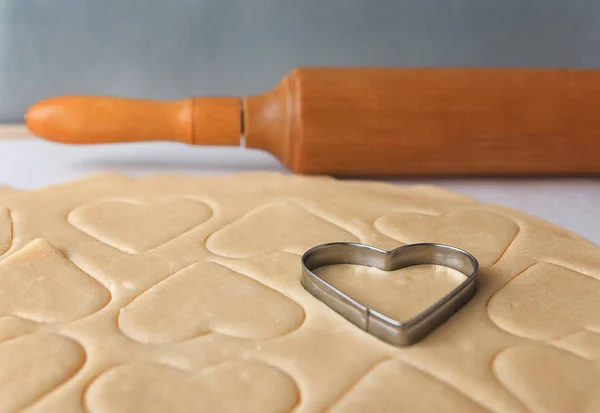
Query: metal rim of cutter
{"x": 400, "y": 333}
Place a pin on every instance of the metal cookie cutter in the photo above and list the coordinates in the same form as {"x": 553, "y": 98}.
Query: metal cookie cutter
{"x": 400, "y": 333}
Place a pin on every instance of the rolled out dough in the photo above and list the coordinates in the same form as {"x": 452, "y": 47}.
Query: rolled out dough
{"x": 175, "y": 293}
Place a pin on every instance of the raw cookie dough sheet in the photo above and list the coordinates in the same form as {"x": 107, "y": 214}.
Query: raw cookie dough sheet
{"x": 174, "y": 293}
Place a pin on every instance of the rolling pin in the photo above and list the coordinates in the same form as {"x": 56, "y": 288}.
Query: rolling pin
{"x": 369, "y": 121}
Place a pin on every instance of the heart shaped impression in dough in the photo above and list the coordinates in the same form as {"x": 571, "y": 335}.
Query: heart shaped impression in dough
{"x": 198, "y": 300}
{"x": 377, "y": 303}
{"x": 46, "y": 359}
{"x": 485, "y": 234}
{"x": 135, "y": 227}
{"x": 38, "y": 283}
{"x": 234, "y": 386}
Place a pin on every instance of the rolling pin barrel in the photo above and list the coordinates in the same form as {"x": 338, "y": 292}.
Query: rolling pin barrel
{"x": 371, "y": 122}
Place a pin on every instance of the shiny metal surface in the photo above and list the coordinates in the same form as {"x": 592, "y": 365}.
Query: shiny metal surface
{"x": 400, "y": 333}
{"x": 171, "y": 49}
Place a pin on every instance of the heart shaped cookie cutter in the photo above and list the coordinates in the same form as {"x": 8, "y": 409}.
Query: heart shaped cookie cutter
{"x": 399, "y": 333}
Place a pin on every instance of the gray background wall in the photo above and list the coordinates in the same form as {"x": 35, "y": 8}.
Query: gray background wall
{"x": 176, "y": 48}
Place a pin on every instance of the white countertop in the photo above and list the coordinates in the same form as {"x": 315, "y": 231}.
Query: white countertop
{"x": 33, "y": 163}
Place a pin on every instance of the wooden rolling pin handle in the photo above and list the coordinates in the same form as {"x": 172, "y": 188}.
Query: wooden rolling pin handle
{"x": 87, "y": 119}
{"x": 271, "y": 120}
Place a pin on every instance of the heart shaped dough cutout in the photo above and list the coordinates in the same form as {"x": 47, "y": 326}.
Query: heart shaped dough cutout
{"x": 40, "y": 284}
{"x": 198, "y": 300}
{"x": 549, "y": 380}
{"x": 33, "y": 366}
{"x": 236, "y": 386}
{"x": 136, "y": 227}
{"x": 521, "y": 306}
{"x": 398, "y": 386}
{"x": 275, "y": 227}
{"x": 484, "y": 234}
